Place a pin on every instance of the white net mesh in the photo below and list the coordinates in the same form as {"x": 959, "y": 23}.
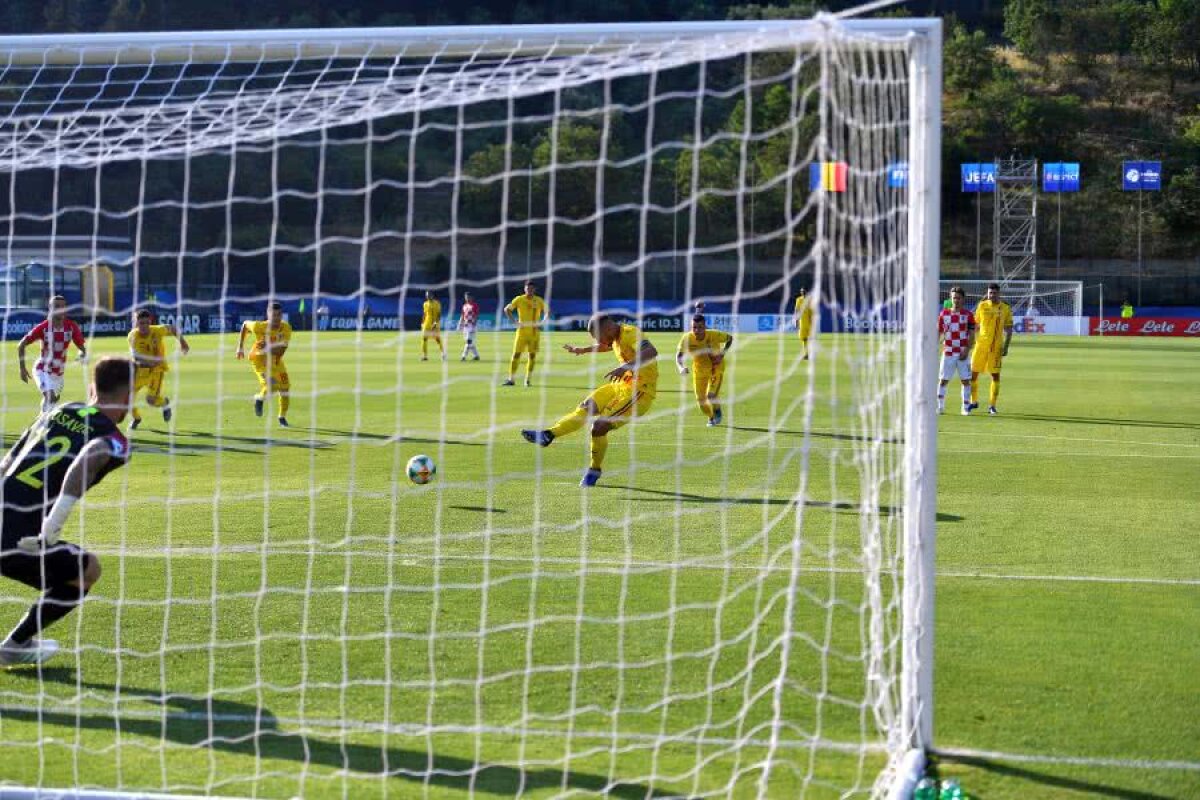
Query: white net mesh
{"x": 282, "y": 612}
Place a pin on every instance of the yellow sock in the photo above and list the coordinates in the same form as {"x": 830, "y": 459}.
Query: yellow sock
{"x": 570, "y": 423}
{"x": 512, "y": 366}
{"x": 441, "y": 347}
{"x": 285, "y": 401}
{"x": 136, "y": 414}
{"x": 424, "y": 347}
{"x": 993, "y": 392}
{"x": 529, "y": 366}
{"x": 974, "y": 390}
{"x": 599, "y": 448}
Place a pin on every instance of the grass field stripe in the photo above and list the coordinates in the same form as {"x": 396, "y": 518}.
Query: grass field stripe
{"x": 356, "y": 726}
{"x": 1078, "y": 761}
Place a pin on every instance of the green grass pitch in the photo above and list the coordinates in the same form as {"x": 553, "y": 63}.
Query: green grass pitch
{"x": 375, "y": 638}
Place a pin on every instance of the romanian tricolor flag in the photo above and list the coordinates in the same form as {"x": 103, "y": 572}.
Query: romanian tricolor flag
{"x": 828, "y": 175}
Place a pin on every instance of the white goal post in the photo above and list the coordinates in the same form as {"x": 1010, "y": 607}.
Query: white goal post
{"x": 743, "y": 610}
{"x": 1051, "y": 307}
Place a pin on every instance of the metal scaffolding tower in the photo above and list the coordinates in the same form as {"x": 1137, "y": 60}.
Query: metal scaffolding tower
{"x": 1015, "y": 228}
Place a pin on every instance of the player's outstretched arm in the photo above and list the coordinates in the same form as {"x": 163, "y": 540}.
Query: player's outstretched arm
{"x": 241, "y": 351}
{"x": 184, "y": 347}
{"x": 591, "y": 348}
{"x": 79, "y": 478}
{"x": 21, "y": 360}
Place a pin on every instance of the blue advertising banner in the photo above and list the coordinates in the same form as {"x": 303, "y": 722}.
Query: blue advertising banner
{"x": 897, "y": 175}
{"x": 1060, "y": 177}
{"x": 1141, "y": 176}
{"x": 979, "y": 177}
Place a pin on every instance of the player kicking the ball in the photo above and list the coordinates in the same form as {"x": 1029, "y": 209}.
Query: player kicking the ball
{"x": 629, "y": 392}
{"x": 956, "y": 330}
{"x": 62, "y": 455}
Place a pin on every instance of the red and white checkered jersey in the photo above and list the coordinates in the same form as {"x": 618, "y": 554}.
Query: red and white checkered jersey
{"x": 956, "y": 327}
{"x": 55, "y": 342}
{"x": 470, "y": 314}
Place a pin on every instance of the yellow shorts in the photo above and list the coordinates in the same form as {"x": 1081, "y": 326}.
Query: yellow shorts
{"x": 430, "y": 333}
{"x": 150, "y": 379}
{"x": 985, "y": 360}
{"x": 278, "y": 379}
{"x": 526, "y": 340}
{"x": 617, "y": 402}
{"x": 707, "y": 382}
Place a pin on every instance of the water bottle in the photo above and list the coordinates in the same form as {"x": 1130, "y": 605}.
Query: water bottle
{"x": 951, "y": 790}
{"x": 926, "y": 790}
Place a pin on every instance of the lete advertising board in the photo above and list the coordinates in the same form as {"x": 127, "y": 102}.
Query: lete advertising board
{"x": 1145, "y": 326}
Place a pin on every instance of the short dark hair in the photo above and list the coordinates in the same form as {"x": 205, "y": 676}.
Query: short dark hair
{"x": 700, "y": 318}
{"x": 957, "y": 290}
{"x": 144, "y": 314}
{"x": 995, "y": 286}
{"x": 275, "y": 305}
{"x": 802, "y": 290}
{"x": 597, "y": 322}
{"x": 111, "y": 373}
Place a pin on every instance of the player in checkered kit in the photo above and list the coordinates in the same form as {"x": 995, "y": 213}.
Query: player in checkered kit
{"x": 467, "y": 320}
{"x": 56, "y": 334}
{"x": 956, "y": 331}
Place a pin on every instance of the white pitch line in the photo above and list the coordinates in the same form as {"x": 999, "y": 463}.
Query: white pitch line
{"x": 410, "y": 560}
{"x": 1075, "y": 761}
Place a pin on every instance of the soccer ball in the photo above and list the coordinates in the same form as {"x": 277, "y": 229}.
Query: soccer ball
{"x": 421, "y": 470}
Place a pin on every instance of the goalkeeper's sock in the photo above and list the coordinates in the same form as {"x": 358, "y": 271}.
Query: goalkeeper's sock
{"x": 53, "y": 605}
{"x": 529, "y": 367}
{"x": 975, "y": 391}
{"x": 993, "y": 392}
{"x": 425, "y": 347}
{"x": 512, "y": 366}
{"x": 570, "y": 423}
{"x": 285, "y": 401}
{"x": 599, "y": 448}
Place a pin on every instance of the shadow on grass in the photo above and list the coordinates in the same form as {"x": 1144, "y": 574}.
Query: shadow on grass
{"x": 245, "y": 729}
{"x": 1057, "y": 781}
{"x": 664, "y": 496}
{"x": 843, "y": 437}
{"x": 1129, "y": 423}
{"x": 480, "y": 509}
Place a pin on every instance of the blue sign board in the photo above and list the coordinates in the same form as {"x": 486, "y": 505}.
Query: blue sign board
{"x": 897, "y": 175}
{"x": 1141, "y": 176}
{"x": 979, "y": 177}
{"x": 1060, "y": 177}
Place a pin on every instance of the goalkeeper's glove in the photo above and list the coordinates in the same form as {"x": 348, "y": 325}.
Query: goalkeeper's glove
{"x": 52, "y": 526}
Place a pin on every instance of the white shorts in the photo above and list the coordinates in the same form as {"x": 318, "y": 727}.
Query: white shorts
{"x": 953, "y": 364}
{"x": 468, "y": 331}
{"x": 47, "y": 382}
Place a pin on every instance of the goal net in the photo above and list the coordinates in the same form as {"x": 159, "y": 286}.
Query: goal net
{"x": 1052, "y": 307}
{"x": 737, "y": 609}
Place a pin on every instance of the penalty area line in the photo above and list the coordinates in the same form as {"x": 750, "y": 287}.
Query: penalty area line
{"x": 1074, "y": 761}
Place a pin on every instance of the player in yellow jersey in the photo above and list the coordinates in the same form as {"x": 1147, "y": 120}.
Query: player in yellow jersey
{"x": 707, "y": 348}
{"x": 431, "y": 325}
{"x": 994, "y": 329}
{"x": 528, "y": 312}
{"x": 803, "y": 314}
{"x": 627, "y": 394}
{"x": 148, "y": 348}
{"x": 271, "y": 338}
